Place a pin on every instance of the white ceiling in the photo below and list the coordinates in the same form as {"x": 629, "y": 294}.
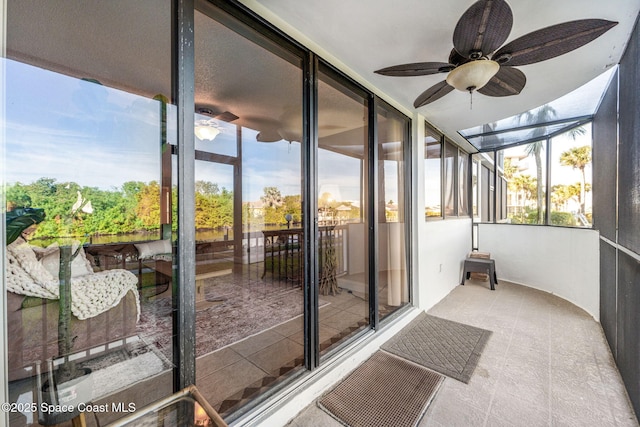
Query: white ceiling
{"x": 368, "y": 35}
{"x": 125, "y": 44}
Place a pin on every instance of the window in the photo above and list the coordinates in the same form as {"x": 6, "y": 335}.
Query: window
{"x": 275, "y": 230}
{"x": 463, "y": 183}
{"x": 536, "y": 187}
{"x": 525, "y": 171}
{"x": 571, "y": 178}
{"x": 475, "y": 189}
{"x": 87, "y": 143}
{"x": 450, "y": 177}
{"x": 446, "y": 177}
{"x": 248, "y": 200}
{"x": 343, "y": 210}
{"x": 432, "y": 174}
{"x": 393, "y": 285}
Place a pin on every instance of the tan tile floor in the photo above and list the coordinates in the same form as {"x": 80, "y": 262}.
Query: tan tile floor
{"x": 547, "y": 363}
{"x": 231, "y": 373}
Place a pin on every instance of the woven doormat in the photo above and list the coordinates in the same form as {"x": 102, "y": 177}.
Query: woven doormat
{"x": 448, "y": 347}
{"x": 384, "y": 391}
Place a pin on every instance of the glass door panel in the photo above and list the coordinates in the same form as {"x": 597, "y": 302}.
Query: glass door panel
{"x": 342, "y": 226}
{"x": 392, "y": 284}
{"x": 249, "y": 240}
{"x": 84, "y": 146}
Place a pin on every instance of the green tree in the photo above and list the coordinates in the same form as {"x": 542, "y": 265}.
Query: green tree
{"x": 535, "y": 149}
{"x": 293, "y": 206}
{"x": 17, "y": 196}
{"x": 538, "y": 116}
{"x": 526, "y": 188}
{"x": 578, "y": 158}
{"x": 271, "y": 197}
{"x": 561, "y": 194}
{"x": 148, "y": 206}
{"x": 214, "y": 206}
{"x": 508, "y": 169}
{"x": 207, "y": 188}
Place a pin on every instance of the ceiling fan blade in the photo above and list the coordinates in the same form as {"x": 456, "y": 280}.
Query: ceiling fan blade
{"x": 553, "y": 41}
{"x": 456, "y": 59}
{"x": 483, "y": 28}
{"x": 227, "y": 116}
{"x": 268, "y": 136}
{"x": 508, "y": 81}
{"x": 434, "y": 93}
{"x": 416, "y": 69}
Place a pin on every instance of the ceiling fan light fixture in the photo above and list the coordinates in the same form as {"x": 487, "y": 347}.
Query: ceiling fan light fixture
{"x": 472, "y": 75}
{"x": 205, "y": 130}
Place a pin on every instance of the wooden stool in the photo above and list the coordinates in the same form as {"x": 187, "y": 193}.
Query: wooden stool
{"x": 477, "y": 254}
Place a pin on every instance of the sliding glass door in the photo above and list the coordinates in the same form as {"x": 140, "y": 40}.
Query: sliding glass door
{"x": 343, "y": 203}
{"x": 392, "y": 284}
{"x": 238, "y": 250}
{"x": 249, "y": 239}
{"x": 88, "y": 125}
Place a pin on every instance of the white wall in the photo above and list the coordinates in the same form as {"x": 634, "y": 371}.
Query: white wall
{"x": 443, "y": 246}
{"x": 562, "y": 261}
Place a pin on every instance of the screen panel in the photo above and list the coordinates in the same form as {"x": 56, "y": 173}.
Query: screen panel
{"x": 605, "y": 141}
{"x": 629, "y": 154}
{"x": 608, "y": 293}
{"x": 628, "y": 317}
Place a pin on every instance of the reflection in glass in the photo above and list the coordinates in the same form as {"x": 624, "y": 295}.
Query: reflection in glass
{"x": 393, "y": 289}
{"x": 93, "y": 162}
{"x": 248, "y": 205}
{"x": 342, "y": 231}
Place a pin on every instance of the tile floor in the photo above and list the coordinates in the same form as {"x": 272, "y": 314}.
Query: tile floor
{"x": 231, "y": 376}
{"x": 547, "y": 363}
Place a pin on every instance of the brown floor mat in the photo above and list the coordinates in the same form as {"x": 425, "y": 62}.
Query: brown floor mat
{"x": 384, "y": 391}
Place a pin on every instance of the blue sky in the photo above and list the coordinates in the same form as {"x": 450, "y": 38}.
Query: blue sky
{"x": 74, "y": 130}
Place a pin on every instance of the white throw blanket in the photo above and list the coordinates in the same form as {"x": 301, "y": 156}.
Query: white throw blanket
{"x": 91, "y": 294}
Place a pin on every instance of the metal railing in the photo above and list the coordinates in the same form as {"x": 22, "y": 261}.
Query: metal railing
{"x": 284, "y": 257}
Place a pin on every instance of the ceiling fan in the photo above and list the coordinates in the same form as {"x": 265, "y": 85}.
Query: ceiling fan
{"x": 478, "y": 63}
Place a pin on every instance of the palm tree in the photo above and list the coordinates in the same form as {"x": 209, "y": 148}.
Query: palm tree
{"x": 576, "y": 132}
{"x": 538, "y": 116}
{"x": 524, "y": 185}
{"x": 562, "y": 193}
{"x": 535, "y": 149}
{"x": 509, "y": 169}
{"x": 578, "y": 158}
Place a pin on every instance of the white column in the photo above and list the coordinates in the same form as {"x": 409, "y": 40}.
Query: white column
{"x": 418, "y": 222}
